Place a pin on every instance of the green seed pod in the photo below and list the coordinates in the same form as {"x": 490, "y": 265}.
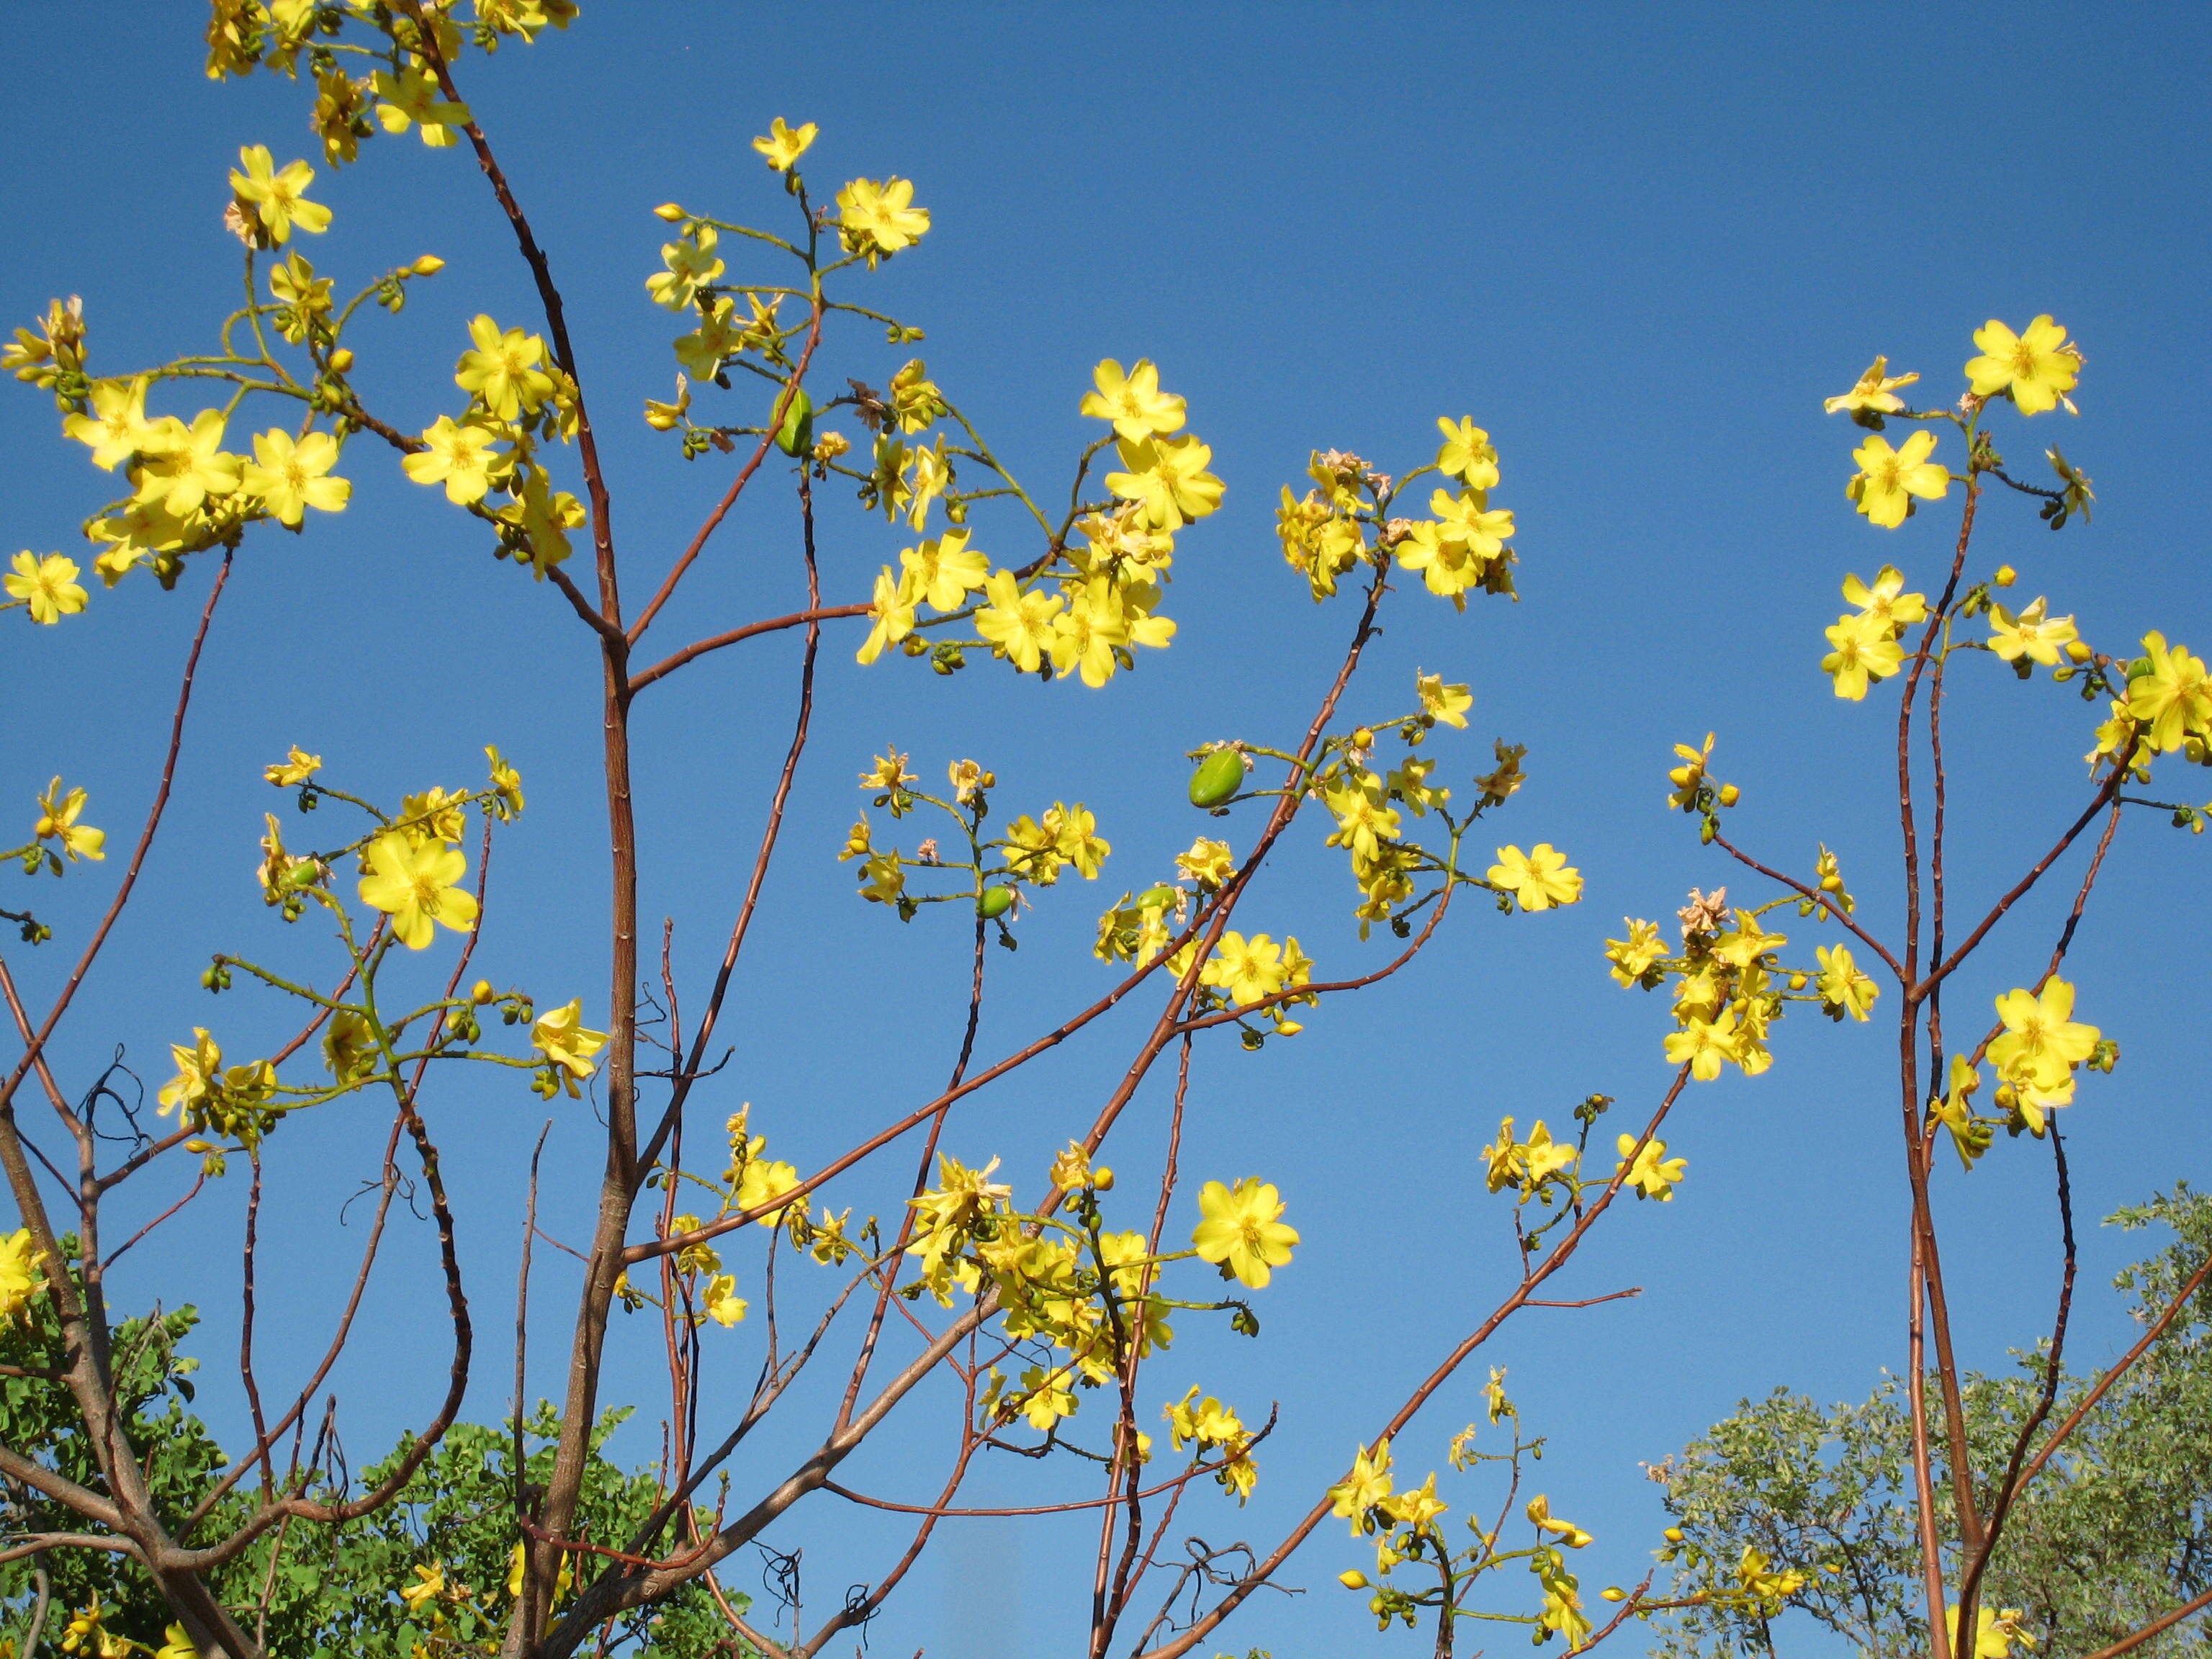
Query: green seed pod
{"x": 1219, "y": 775}
{"x": 996, "y": 903}
{"x": 796, "y": 435}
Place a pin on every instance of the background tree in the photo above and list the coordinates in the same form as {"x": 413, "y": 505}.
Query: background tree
{"x": 2114, "y": 1536}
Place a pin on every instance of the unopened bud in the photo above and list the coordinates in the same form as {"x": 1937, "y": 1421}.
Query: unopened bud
{"x": 1353, "y": 1579}
{"x": 1730, "y": 794}
{"x": 1672, "y": 1535}
{"x": 1613, "y": 1593}
{"x": 668, "y": 210}
{"x": 342, "y": 359}
{"x": 481, "y": 993}
{"x": 1364, "y": 737}
{"x": 2006, "y": 576}
{"x": 428, "y": 265}
{"x": 1102, "y": 1179}
{"x": 2079, "y": 651}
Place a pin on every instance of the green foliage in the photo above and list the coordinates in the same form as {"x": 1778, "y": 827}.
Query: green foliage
{"x": 317, "y": 1591}
{"x": 2116, "y": 1531}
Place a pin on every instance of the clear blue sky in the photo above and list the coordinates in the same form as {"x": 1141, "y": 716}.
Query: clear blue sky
{"x": 1639, "y": 245}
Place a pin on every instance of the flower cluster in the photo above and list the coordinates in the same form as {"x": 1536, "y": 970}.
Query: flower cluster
{"x": 518, "y": 397}
{"x": 1345, "y": 519}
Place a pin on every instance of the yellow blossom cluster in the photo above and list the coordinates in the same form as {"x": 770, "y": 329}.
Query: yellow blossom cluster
{"x": 1345, "y": 519}
{"x": 1728, "y": 984}
{"x": 1404, "y": 1523}
{"x": 518, "y": 397}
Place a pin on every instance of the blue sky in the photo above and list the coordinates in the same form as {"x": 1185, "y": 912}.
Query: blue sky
{"x": 1639, "y": 245}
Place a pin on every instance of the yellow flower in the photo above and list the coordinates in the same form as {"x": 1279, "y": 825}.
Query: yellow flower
{"x": 784, "y": 144}
{"x": 765, "y": 1181}
{"x": 1019, "y": 625}
{"x": 1133, "y": 402}
{"x": 458, "y": 455}
{"x": 1074, "y": 838}
{"x": 890, "y": 615}
{"x": 429, "y": 1584}
{"x": 1526, "y": 1165}
{"x": 1689, "y": 778}
{"x": 1167, "y": 480}
{"x": 1086, "y": 636}
{"x": 297, "y": 766}
{"x": 411, "y": 98}
{"x": 1755, "y": 1577}
{"x": 1865, "y": 650}
{"x": 2036, "y": 368}
{"x": 888, "y": 772}
{"x": 1633, "y": 957}
{"x": 1468, "y": 454}
{"x": 1875, "y": 393}
{"x": 1653, "y": 1173}
{"x": 1208, "y": 863}
{"x": 1468, "y": 517}
{"x": 349, "y": 1047}
{"x": 562, "y": 1038}
{"x": 434, "y": 815}
{"x": 1539, "y": 1512}
{"x": 968, "y": 779}
{"x": 1367, "y": 1486}
{"x": 1245, "y": 969}
{"x": 1889, "y": 479}
{"x": 1705, "y": 1043}
{"x": 1887, "y": 601}
{"x": 277, "y": 200}
{"x": 506, "y": 783}
{"x": 1445, "y": 704}
{"x": 1746, "y": 942}
{"x": 692, "y": 263}
{"x": 2042, "y": 1043}
{"x": 1844, "y": 989}
{"x": 2173, "y": 700}
{"x": 720, "y": 1299}
{"x": 541, "y": 517}
{"x": 20, "y": 1279}
{"x": 945, "y": 570}
{"x": 181, "y": 466}
{"x": 413, "y": 882}
{"x": 116, "y": 427}
{"x": 58, "y": 820}
{"x": 175, "y": 1644}
{"x": 1243, "y": 1230}
{"x": 1995, "y": 1633}
{"x": 289, "y": 477}
{"x": 47, "y": 587}
{"x": 876, "y": 220}
{"x": 1538, "y": 879}
{"x": 502, "y": 371}
{"x": 2031, "y": 634}
{"x": 1419, "y": 1506}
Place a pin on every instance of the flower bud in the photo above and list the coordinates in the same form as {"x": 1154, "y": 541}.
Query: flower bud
{"x": 2079, "y": 651}
{"x": 1102, "y": 1179}
{"x": 481, "y": 993}
{"x": 2006, "y": 576}
{"x": 1730, "y": 794}
{"x": 428, "y": 265}
{"x": 1672, "y": 1535}
{"x": 1613, "y": 1593}
{"x": 1353, "y": 1579}
{"x": 1364, "y": 737}
{"x": 668, "y": 210}
{"x": 342, "y": 359}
